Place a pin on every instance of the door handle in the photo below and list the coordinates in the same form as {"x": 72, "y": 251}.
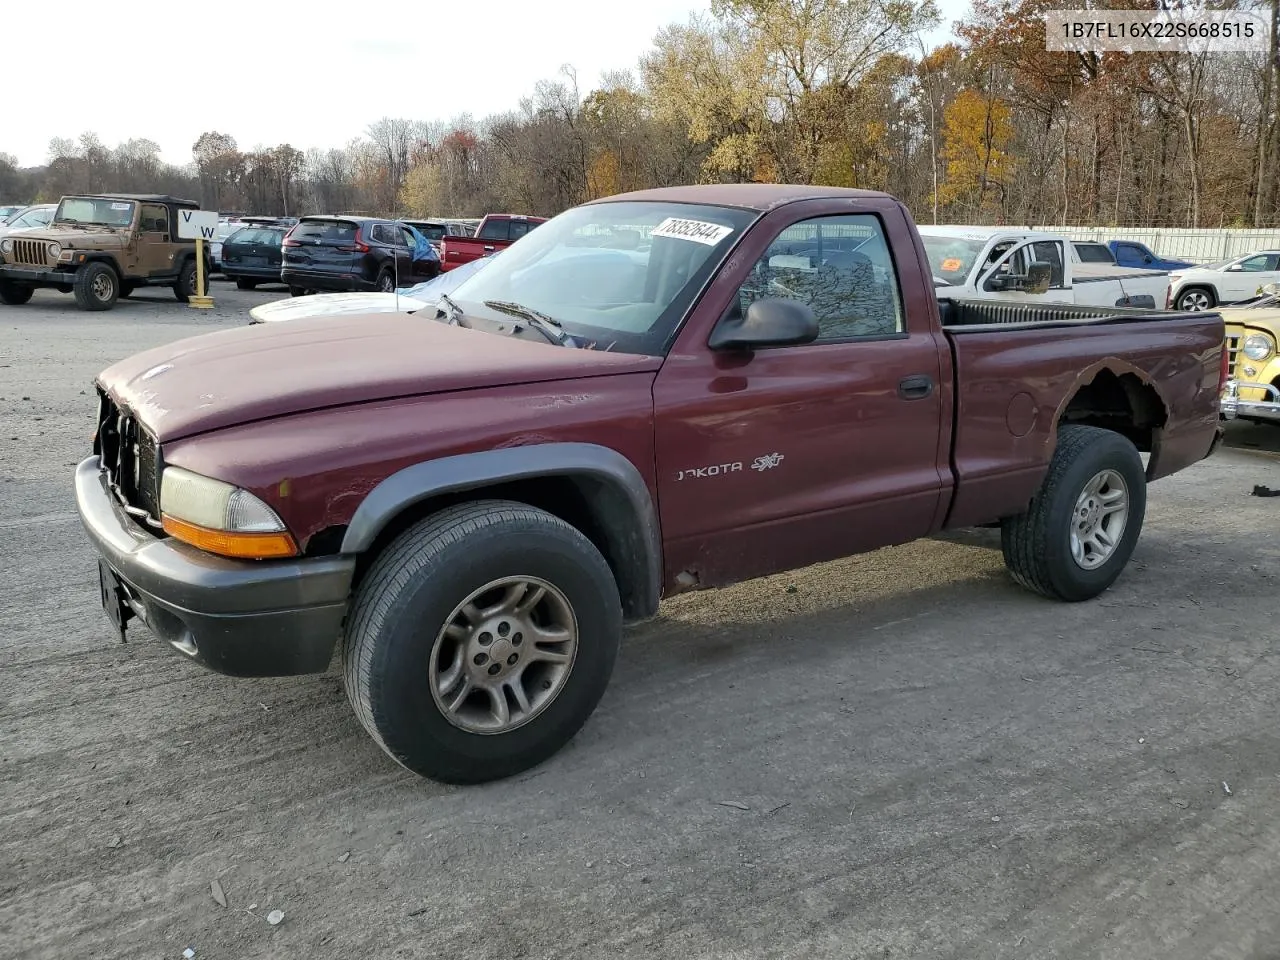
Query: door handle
{"x": 489, "y": 248}
{"x": 918, "y": 387}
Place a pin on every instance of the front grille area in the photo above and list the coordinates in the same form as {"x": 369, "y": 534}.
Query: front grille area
{"x": 1233, "y": 353}
{"x": 29, "y": 253}
{"x": 130, "y": 459}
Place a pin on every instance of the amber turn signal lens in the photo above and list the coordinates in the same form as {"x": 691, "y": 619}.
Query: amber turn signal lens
{"x": 243, "y": 546}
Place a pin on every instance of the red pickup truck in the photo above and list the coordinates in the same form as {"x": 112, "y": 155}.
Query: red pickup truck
{"x": 657, "y": 392}
{"x": 496, "y": 231}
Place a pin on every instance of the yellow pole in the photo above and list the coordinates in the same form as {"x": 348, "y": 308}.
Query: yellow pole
{"x": 199, "y": 300}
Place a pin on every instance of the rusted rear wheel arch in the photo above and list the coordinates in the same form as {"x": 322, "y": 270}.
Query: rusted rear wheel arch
{"x": 1120, "y": 400}
{"x": 591, "y": 487}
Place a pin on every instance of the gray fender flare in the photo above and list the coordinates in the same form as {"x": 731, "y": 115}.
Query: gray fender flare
{"x": 615, "y": 492}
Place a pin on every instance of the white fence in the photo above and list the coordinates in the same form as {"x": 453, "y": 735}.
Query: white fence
{"x": 1199, "y": 246}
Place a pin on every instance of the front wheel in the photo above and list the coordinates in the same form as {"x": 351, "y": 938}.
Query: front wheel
{"x": 1081, "y": 528}
{"x": 15, "y": 294}
{"x": 1195, "y": 300}
{"x": 481, "y": 640}
{"x": 297, "y": 291}
{"x": 96, "y": 287}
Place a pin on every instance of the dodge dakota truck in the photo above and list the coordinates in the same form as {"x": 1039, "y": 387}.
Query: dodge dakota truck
{"x": 655, "y": 392}
{"x": 496, "y": 232}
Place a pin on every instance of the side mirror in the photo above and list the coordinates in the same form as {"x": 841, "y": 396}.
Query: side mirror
{"x": 770, "y": 322}
{"x": 1235, "y": 268}
{"x": 1036, "y": 280}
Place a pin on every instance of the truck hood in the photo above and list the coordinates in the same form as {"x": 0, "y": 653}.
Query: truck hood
{"x": 88, "y": 237}
{"x": 275, "y": 369}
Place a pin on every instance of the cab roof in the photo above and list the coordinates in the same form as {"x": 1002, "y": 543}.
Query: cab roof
{"x": 142, "y": 197}
{"x": 748, "y": 196}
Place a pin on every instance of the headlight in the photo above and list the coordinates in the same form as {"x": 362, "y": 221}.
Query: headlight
{"x": 1258, "y": 346}
{"x": 54, "y": 250}
{"x": 6, "y": 246}
{"x": 220, "y": 518}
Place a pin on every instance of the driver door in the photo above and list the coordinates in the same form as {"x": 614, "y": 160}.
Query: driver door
{"x": 155, "y": 246}
{"x": 1016, "y": 262}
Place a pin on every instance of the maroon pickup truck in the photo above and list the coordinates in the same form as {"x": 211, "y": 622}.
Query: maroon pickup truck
{"x": 657, "y": 392}
{"x": 495, "y": 232}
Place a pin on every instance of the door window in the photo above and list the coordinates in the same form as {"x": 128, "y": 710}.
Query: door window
{"x": 1050, "y": 251}
{"x": 1259, "y": 264}
{"x": 155, "y": 218}
{"x": 841, "y": 268}
{"x": 494, "y": 230}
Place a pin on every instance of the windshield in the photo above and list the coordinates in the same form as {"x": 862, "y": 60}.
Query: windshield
{"x": 620, "y": 275}
{"x": 7, "y": 212}
{"x": 107, "y": 213}
{"x": 952, "y": 258}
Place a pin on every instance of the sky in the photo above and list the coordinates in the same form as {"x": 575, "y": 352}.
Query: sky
{"x": 311, "y": 74}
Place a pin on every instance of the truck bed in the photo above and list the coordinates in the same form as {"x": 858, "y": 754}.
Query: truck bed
{"x": 1012, "y": 391}
{"x": 957, "y": 313}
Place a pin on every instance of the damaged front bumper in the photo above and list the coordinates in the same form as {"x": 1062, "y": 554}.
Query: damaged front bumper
{"x": 1232, "y": 406}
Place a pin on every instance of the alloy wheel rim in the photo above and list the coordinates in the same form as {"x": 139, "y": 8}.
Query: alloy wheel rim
{"x": 1099, "y": 519}
{"x": 503, "y": 655}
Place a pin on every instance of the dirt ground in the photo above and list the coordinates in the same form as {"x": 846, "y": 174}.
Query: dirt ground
{"x": 898, "y": 755}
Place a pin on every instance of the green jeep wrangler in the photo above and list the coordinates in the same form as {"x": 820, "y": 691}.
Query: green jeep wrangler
{"x": 101, "y": 248}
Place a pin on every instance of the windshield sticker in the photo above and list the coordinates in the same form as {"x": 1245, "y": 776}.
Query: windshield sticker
{"x": 698, "y": 231}
{"x": 120, "y": 206}
{"x": 952, "y": 265}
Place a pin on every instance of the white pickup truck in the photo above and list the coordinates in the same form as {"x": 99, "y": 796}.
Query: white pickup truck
{"x": 1001, "y": 263}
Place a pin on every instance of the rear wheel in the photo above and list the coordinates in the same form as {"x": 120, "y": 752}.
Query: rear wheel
{"x": 96, "y": 287}
{"x": 481, "y": 640}
{"x": 1081, "y": 528}
{"x": 127, "y": 289}
{"x": 386, "y": 282}
{"x": 1196, "y": 299}
{"x": 15, "y": 294}
{"x": 243, "y": 283}
{"x": 297, "y": 291}
{"x": 185, "y": 286}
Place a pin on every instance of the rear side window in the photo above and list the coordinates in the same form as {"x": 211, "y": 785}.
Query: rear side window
{"x": 519, "y": 228}
{"x": 325, "y": 231}
{"x": 495, "y": 230}
{"x": 430, "y": 231}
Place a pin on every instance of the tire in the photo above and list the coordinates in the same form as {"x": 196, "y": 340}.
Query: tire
{"x": 184, "y": 288}
{"x": 1038, "y": 544}
{"x": 297, "y": 291}
{"x": 127, "y": 289}
{"x": 413, "y": 591}
{"x": 386, "y": 283}
{"x": 96, "y": 286}
{"x": 15, "y": 294}
{"x": 1195, "y": 299}
{"x": 245, "y": 284}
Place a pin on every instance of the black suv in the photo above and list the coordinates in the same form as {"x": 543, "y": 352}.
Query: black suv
{"x": 351, "y": 253}
{"x": 252, "y": 255}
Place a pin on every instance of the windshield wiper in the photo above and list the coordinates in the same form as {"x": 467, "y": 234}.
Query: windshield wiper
{"x": 455, "y": 318}
{"x": 549, "y": 327}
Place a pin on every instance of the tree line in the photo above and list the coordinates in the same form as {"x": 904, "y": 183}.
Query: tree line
{"x": 991, "y": 128}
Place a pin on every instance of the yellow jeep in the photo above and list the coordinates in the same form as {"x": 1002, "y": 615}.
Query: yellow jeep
{"x": 1253, "y": 357}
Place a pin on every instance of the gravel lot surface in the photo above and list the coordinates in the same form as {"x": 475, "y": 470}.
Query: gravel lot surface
{"x": 897, "y": 755}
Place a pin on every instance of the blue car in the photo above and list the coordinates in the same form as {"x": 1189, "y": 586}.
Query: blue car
{"x": 1131, "y": 253}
